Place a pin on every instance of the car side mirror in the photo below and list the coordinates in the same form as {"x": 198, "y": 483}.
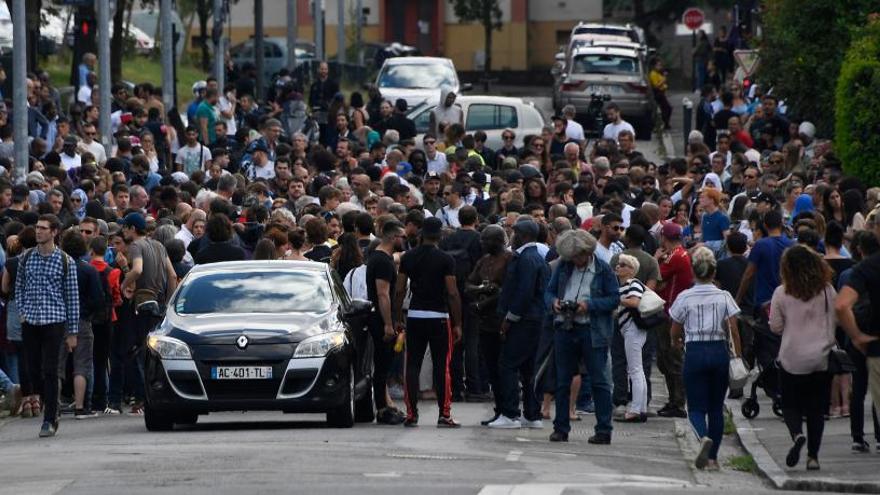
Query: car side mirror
{"x": 467, "y": 87}
{"x": 359, "y": 308}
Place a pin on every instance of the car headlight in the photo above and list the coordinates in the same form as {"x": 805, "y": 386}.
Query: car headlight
{"x": 319, "y": 345}
{"x": 168, "y": 347}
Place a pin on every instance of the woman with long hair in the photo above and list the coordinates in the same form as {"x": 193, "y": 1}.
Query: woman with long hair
{"x": 698, "y": 319}
{"x": 833, "y": 206}
{"x": 347, "y": 255}
{"x": 853, "y": 211}
{"x": 802, "y": 311}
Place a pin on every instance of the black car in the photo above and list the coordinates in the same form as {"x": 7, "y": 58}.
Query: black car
{"x": 260, "y": 335}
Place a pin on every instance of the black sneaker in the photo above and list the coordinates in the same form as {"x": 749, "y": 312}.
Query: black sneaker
{"x": 48, "y": 429}
{"x": 672, "y": 412}
{"x": 558, "y": 436}
{"x": 84, "y": 414}
{"x": 388, "y": 417}
{"x": 411, "y": 422}
{"x": 447, "y": 422}
{"x": 794, "y": 453}
{"x": 861, "y": 446}
{"x": 600, "y": 439}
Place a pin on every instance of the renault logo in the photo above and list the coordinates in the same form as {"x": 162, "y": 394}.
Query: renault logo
{"x": 242, "y": 341}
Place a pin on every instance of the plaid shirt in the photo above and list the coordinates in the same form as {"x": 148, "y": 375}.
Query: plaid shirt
{"x": 44, "y": 294}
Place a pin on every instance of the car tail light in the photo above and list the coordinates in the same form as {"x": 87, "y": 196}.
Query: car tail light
{"x": 638, "y": 88}
{"x": 573, "y": 86}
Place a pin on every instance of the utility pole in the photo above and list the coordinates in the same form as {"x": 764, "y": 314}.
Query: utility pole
{"x": 340, "y": 34}
{"x": 104, "y": 73}
{"x": 168, "y": 51}
{"x": 292, "y": 33}
{"x": 259, "y": 55}
{"x": 318, "y": 16}
{"x": 19, "y": 90}
{"x": 359, "y": 27}
{"x": 219, "y": 46}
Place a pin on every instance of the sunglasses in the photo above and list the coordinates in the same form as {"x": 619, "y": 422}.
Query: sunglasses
{"x": 538, "y": 145}
{"x": 618, "y": 228}
{"x": 430, "y": 141}
{"x": 507, "y": 138}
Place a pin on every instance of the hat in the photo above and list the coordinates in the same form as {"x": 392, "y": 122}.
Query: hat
{"x": 671, "y": 231}
{"x": 134, "y": 219}
{"x": 180, "y": 177}
{"x": 766, "y": 198}
{"x": 753, "y": 155}
{"x": 527, "y": 226}
{"x": 400, "y": 105}
{"x": 712, "y": 178}
{"x": 432, "y": 176}
{"x": 529, "y": 171}
{"x": 432, "y": 227}
{"x": 259, "y": 145}
{"x": 807, "y": 129}
{"x": 70, "y": 140}
{"x": 35, "y": 178}
{"x": 508, "y": 163}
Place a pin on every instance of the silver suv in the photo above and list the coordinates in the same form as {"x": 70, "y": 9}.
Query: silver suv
{"x": 619, "y": 72}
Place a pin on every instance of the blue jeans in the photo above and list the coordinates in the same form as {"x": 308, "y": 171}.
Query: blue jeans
{"x": 10, "y": 365}
{"x": 570, "y": 347}
{"x": 705, "y": 373}
{"x": 5, "y": 383}
{"x": 517, "y": 362}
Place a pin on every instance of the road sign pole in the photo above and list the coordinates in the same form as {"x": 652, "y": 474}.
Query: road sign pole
{"x": 318, "y": 17}
{"x": 19, "y": 91}
{"x": 259, "y": 55}
{"x": 168, "y": 50}
{"x": 104, "y": 73}
{"x": 291, "y": 35}
{"x": 219, "y": 46}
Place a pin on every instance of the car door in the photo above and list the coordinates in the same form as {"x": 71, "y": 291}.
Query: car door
{"x": 492, "y": 119}
{"x": 363, "y": 344}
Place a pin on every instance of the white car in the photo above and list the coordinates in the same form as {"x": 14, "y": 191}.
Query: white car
{"x": 417, "y": 79}
{"x": 490, "y": 114}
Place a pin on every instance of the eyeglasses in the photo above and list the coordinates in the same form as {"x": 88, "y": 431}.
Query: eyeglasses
{"x": 618, "y": 228}
{"x": 507, "y": 137}
{"x": 91, "y": 134}
{"x": 76, "y": 200}
{"x": 431, "y": 141}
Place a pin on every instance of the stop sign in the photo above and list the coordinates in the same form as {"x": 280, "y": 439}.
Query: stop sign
{"x": 693, "y": 18}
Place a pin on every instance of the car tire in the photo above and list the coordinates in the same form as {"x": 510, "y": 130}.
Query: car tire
{"x": 343, "y": 415}
{"x": 186, "y": 419}
{"x": 365, "y": 407}
{"x": 157, "y": 420}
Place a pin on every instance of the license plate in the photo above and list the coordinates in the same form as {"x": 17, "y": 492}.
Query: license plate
{"x": 603, "y": 89}
{"x": 241, "y": 373}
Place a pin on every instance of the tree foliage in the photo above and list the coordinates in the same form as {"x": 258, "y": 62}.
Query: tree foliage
{"x": 487, "y": 13}
{"x": 857, "y": 129}
{"x": 801, "y": 51}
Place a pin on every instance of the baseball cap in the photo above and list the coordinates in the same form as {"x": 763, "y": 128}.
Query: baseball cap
{"x": 767, "y": 198}
{"x": 134, "y": 219}
{"x": 671, "y": 231}
{"x": 70, "y": 140}
{"x": 259, "y": 145}
{"x": 432, "y": 176}
{"x": 526, "y": 226}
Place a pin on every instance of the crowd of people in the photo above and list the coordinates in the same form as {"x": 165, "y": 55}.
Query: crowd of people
{"x": 546, "y": 276}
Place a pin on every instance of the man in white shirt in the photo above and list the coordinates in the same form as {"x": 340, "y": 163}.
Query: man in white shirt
{"x": 573, "y": 130}
{"x": 194, "y": 156}
{"x": 84, "y": 95}
{"x": 609, "y": 239}
{"x": 261, "y": 167}
{"x": 69, "y": 157}
{"x": 616, "y": 123}
{"x": 89, "y": 144}
{"x": 452, "y": 194}
{"x": 185, "y": 233}
{"x": 436, "y": 160}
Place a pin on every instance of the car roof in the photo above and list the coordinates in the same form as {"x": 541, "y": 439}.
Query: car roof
{"x": 627, "y": 27}
{"x": 252, "y": 265}
{"x": 417, "y": 60}
{"x": 606, "y": 50}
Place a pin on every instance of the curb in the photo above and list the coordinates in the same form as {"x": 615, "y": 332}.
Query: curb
{"x": 768, "y": 467}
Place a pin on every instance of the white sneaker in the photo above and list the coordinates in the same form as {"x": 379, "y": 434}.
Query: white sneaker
{"x": 536, "y": 424}
{"x": 619, "y": 411}
{"x": 505, "y": 423}
{"x": 111, "y": 411}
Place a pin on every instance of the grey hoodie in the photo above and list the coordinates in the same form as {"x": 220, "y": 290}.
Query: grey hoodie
{"x": 451, "y": 114}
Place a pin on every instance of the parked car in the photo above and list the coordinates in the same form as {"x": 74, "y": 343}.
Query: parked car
{"x": 631, "y": 31}
{"x": 274, "y": 55}
{"x": 620, "y": 73}
{"x": 260, "y": 335}
{"x": 417, "y": 79}
{"x": 490, "y": 114}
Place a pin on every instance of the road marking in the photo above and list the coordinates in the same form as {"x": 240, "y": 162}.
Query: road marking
{"x": 521, "y": 439}
{"x": 513, "y": 456}
{"x": 36, "y": 487}
{"x": 391, "y": 474}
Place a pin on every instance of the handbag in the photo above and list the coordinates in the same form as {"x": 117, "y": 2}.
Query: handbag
{"x": 650, "y": 303}
{"x": 737, "y": 372}
{"x": 840, "y": 362}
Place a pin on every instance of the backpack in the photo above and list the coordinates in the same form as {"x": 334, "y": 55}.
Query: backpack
{"x": 355, "y": 283}
{"x": 104, "y": 312}
{"x": 464, "y": 265}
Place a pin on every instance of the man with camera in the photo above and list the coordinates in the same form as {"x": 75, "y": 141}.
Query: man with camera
{"x": 582, "y": 293}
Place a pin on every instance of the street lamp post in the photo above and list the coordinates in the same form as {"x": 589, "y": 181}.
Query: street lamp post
{"x": 19, "y": 90}
{"x": 219, "y": 48}
{"x": 168, "y": 51}
{"x": 103, "y": 7}
{"x": 291, "y": 35}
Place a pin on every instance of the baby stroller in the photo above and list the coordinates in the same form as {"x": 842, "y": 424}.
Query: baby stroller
{"x": 766, "y": 348}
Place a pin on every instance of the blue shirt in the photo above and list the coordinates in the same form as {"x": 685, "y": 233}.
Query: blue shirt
{"x": 44, "y": 293}
{"x": 765, "y": 255}
{"x": 714, "y": 225}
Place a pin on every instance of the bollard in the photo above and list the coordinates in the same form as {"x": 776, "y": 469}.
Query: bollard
{"x": 687, "y": 110}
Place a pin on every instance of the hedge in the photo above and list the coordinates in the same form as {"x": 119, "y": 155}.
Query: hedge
{"x": 857, "y": 102}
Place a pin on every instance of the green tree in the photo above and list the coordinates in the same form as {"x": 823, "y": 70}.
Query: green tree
{"x": 857, "y": 129}
{"x": 487, "y": 13}
{"x": 801, "y": 51}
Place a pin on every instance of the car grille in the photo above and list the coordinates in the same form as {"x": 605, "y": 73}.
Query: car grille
{"x": 187, "y": 382}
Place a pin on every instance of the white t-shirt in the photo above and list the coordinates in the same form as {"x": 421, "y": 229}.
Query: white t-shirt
{"x": 97, "y": 149}
{"x": 223, "y": 105}
{"x": 267, "y": 171}
{"x": 438, "y": 163}
{"x": 606, "y": 253}
{"x": 612, "y": 130}
{"x": 575, "y": 131}
{"x": 449, "y": 216}
{"x": 69, "y": 162}
{"x": 84, "y": 95}
{"x": 193, "y": 158}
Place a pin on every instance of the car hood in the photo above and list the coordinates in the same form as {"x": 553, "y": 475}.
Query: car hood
{"x": 413, "y": 97}
{"x": 224, "y": 329}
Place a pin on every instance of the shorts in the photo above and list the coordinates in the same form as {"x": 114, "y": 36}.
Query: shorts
{"x": 83, "y": 359}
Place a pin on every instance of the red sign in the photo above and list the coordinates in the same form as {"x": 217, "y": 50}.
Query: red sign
{"x": 693, "y": 18}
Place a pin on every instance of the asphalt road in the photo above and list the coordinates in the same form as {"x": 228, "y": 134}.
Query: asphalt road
{"x": 277, "y": 453}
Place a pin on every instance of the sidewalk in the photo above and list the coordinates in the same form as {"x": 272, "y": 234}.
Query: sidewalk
{"x": 766, "y": 438}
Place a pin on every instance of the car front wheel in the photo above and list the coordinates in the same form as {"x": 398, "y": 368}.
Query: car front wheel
{"x": 343, "y": 415}
{"x": 157, "y": 420}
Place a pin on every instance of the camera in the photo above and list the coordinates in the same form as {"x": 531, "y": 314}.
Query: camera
{"x": 567, "y": 310}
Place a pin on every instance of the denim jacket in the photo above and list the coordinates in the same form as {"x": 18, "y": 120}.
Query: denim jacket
{"x": 522, "y": 295}
{"x": 601, "y": 304}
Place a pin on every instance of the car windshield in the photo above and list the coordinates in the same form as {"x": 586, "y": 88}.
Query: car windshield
{"x": 254, "y": 292}
{"x": 605, "y": 64}
{"x": 416, "y": 76}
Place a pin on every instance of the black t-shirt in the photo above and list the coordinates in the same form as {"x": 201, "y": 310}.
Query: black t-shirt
{"x": 729, "y": 273}
{"x": 838, "y": 266}
{"x": 380, "y": 266}
{"x": 427, "y": 268}
{"x": 865, "y": 279}
{"x": 320, "y": 253}
{"x": 722, "y": 118}
{"x": 216, "y": 252}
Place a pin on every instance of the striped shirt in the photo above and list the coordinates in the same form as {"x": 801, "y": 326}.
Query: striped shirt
{"x": 701, "y": 310}
{"x": 46, "y": 295}
{"x": 633, "y": 288}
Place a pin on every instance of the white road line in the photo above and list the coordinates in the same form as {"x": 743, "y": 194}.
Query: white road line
{"x": 391, "y": 474}
{"x": 513, "y": 456}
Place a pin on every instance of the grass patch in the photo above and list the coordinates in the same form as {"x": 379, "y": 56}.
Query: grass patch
{"x": 136, "y": 68}
{"x": 729, "y": 427}
{"x": 744, "y": 463}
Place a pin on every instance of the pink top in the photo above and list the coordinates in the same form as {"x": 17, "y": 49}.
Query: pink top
{"x": 807, "y": 329}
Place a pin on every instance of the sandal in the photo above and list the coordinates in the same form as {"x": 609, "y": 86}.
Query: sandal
{"x": 27, "y": 408}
